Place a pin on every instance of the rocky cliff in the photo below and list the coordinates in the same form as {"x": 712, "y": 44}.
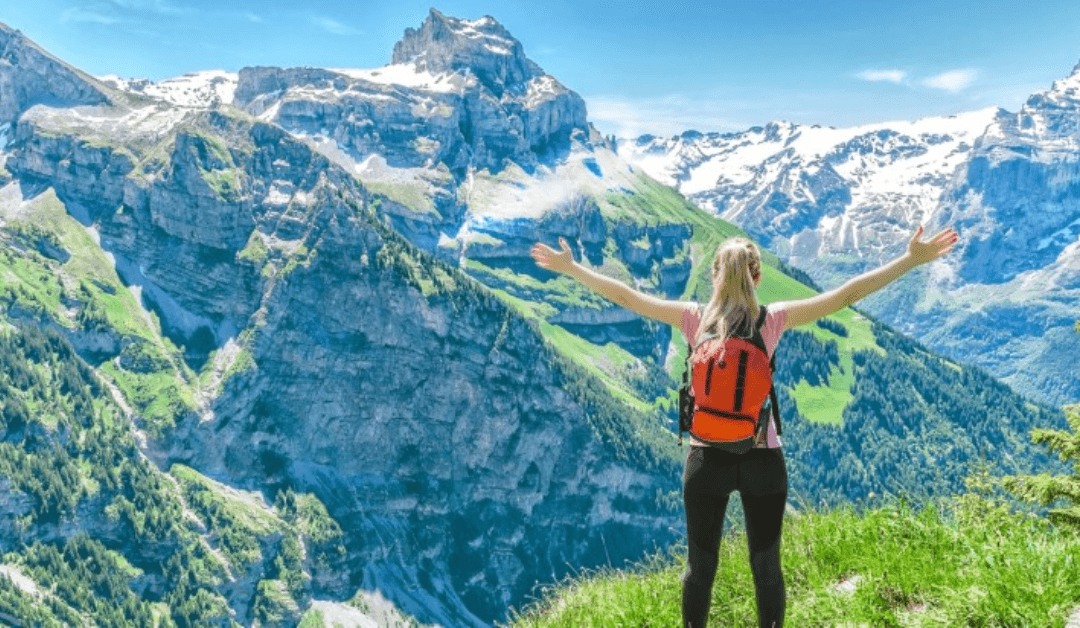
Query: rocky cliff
{"x": 464, "y": 459}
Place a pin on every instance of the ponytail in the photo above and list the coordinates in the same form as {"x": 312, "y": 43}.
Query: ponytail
{"x": 734, "y": 306}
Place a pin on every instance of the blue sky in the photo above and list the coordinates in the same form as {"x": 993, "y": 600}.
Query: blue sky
{"x": 647, "y": 66}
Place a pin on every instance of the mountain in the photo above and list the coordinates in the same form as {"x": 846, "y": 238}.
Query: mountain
{"x": 270, "y": 333}
{"x": 283, "y": 357}
{"x": 839, "y": 201}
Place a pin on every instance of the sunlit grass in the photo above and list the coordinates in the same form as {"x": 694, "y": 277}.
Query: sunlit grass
{"x": 964, "y": 562}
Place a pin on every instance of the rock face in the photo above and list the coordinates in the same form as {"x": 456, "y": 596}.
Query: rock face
{"x": 838, "y": 201}
{"x": 29, "y": 75}
{"x": 483, "y": 48}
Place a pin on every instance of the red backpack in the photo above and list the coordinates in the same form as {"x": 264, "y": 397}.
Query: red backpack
{"x": 723, "y": 404}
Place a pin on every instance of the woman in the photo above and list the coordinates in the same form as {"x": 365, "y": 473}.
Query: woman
{"x": 759, "y": 475}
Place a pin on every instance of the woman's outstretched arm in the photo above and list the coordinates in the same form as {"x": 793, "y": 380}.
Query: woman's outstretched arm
{"x": 821, "y": 305}
{"x": 669, "y": 312}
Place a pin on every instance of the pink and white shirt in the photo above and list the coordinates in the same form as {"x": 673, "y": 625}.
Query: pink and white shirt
{"x": 771, "y": 332}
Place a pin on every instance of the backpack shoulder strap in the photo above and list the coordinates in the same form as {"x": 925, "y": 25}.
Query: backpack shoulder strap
{"x": 759, "y": 340}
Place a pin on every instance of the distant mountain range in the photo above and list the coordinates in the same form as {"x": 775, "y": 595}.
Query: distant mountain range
{"x": 276, "y": 352}
{"x": 838, "y": 201}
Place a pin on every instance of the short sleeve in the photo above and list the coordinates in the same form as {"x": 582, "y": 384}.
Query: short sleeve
{"x": 774, "y": 328}
{"x": 691, "y": 320}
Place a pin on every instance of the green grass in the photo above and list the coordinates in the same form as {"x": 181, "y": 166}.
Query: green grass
{"x": 650, "y": 203}
{"x": 606, "y": 362}
{"x": 157, "y": 397}
{"x": 225, "y": 183}
{"x": 962, "y": 563}
{"x": 88, "y": 274}
{"x": 313, "y": 618}
{"x": 253, "y": 518}
{"x": 411, "y": 195}
{"x": 31, "y": 285}
{"x": 255, "y": 251}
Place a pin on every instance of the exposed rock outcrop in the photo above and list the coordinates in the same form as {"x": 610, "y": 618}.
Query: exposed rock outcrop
{"x": 29, "y": 75}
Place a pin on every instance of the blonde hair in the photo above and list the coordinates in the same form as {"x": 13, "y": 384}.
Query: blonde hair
{"x": 734, "y": 305}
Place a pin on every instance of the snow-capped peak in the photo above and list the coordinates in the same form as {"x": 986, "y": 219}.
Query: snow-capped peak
{"x": 483, "y": 46}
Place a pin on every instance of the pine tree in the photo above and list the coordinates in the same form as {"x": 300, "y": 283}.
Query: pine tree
{"x": 1047, "y": 489}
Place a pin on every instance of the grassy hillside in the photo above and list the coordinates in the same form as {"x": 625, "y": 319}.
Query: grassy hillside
{"x": 967, "y": 561}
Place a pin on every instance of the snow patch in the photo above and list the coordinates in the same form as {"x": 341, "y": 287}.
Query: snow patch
{"x": 281, "y": 192}
{"x": 513, "y": 194}
{"x": 197, "y": 90}
{"x": 406, "y": 76}
{"x": 1062, "y": 236}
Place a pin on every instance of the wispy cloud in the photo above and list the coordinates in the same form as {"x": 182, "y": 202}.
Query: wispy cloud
{"x": 332, "y": 26}
{"x": 953, "y": 80}
{"x": 883, "y": 76}
{"x": 252, "y": 17}
{"x": 664, "y": 115}
{"x": 89, "y": 15}
{"x": 109, "y": 12}
{"x": 160, "y": 7}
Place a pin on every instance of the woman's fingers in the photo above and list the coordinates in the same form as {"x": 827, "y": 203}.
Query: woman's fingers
{"x": 547, "y": 257}
{"x": 944, "y": 236}
{"x": 940, "y": 244}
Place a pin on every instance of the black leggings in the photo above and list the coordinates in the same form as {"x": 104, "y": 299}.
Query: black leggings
{"x": 711, "y": 475}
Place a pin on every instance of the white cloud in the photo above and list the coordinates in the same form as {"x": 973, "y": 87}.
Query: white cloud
{"x": 109, "y": 12}
{"x": 332, "y": 26}
{"x": 161, "y": 7}
{"x": 887, "y": 76}
{"x": 952, "y": 81}
{"x": 92, "y": 16}
{"x": 663, "y": 116}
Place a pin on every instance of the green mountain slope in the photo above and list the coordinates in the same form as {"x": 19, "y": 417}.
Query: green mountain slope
{"x": 865, "y": 409}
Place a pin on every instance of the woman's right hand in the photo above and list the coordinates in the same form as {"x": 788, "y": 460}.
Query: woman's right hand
{"x": 557, "y": 261}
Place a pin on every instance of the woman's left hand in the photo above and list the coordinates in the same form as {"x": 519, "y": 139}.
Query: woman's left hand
{"x": 941, "y": 244}
{"x": 558, "y": 261}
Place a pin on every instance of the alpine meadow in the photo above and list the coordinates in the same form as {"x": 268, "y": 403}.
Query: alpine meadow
{"x": 273, "y": 352}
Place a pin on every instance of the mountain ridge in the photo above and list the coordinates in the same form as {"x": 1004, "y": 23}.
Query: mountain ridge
{"x": 840, "y": 201}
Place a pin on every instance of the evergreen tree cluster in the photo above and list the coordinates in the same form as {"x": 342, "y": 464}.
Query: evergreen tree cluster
{"x": 67, "y": 453}
{"x": 833, "y": 326}
{"x": 916, "y": 426}
{"x": 800, "y": 356}
{"x": 82, "y": 575}
{"x": 1059, "y": 490}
